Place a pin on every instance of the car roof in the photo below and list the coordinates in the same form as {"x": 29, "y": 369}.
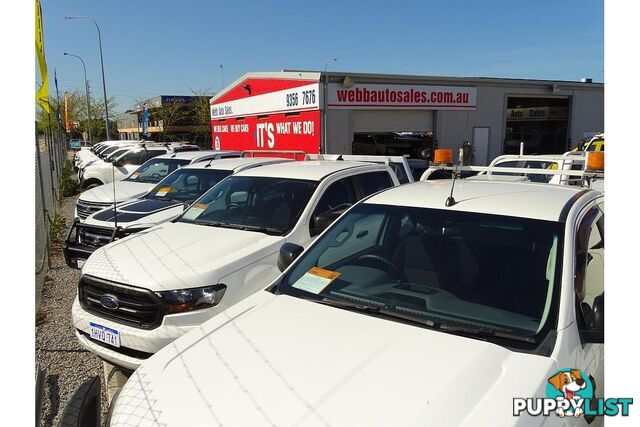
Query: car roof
{"x": 314, "y": 170}
{"x": 525, "y": 200}
{"x": 236, "y": 163}
{"x": 195, "y": 155}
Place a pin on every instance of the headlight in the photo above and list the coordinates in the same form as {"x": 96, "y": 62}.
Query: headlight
{"x": 183, "y": 300}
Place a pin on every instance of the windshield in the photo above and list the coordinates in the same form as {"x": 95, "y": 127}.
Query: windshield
{"x": 187, "y": 184}
{"x": 155, "y": 170}
{"x": 268, "y": 205}
{"x": 495, "y": 274}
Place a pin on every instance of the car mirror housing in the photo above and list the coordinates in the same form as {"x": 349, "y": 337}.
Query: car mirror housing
{"x": 288, "y": 253}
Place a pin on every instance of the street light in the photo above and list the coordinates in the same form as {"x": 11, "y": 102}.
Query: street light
{"x": 221, "y": 77}
{"x": 86, "y": 88}
{"x": 328, "y": 62}
{"x": 104, "y": 88}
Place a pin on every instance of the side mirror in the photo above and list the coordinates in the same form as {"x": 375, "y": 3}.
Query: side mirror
{"x": 116, "y": 163}
{"x": 288, "y": 253}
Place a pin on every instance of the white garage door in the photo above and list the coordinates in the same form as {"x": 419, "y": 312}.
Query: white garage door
{"x": 391, "y": 121}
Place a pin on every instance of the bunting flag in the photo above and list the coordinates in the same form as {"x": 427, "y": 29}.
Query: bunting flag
{"x": 55, "y": 80}
{"x": 42, "y": 95}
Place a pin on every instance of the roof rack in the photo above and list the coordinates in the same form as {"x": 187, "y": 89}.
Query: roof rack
{"x": 584, "y": 175}
{"x": 295, "y": 153}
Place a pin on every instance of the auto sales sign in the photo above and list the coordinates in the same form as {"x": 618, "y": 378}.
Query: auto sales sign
{"x": 372, "y": 96}
{"x": 283, "y": 119}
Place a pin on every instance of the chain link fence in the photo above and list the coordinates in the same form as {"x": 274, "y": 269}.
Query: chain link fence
{"x": 51, "y": 152}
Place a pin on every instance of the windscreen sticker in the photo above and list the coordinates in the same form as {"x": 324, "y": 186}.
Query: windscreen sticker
{"x": 315, "y": 280}
{"x": 195, "y": 211}
{"x": 134, "y": 175}
{"x": 163, "y": 191}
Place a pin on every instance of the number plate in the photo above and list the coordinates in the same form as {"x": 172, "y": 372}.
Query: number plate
{"x": 104, "y": 334}
{"x": 80, "y": 262}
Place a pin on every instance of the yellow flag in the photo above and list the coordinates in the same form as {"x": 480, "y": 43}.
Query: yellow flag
{"x": 42, "y": 95}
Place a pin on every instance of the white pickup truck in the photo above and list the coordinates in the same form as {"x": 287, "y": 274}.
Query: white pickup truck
{"x": 122, "y": 162}
{"x": 141, "y": 180}
{"x": 139, "y": 293}
{"x": 407, "y": 311}
{"x": 163, "y": 202}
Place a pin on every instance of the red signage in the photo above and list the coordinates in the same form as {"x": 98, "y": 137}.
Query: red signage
{"x": 299, "y": 131}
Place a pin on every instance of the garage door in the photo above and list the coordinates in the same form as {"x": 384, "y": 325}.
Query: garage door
{"x": 391, "y": 121}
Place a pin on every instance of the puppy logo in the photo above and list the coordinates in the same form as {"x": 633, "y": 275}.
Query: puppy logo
{"x": 570, "y": 388}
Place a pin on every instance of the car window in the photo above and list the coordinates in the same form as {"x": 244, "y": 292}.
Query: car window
{"x": 152, "y": 171}
{"x": 339, "y": 194}
{"x": 372, "y": 182}
{"x": 186, "y": 185}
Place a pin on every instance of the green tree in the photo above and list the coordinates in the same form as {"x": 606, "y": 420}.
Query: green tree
{"x": 77, "y": 111}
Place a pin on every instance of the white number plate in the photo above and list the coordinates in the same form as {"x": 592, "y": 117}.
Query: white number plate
{"x": 104, "y": 334}
{"x": 80, "y": 262}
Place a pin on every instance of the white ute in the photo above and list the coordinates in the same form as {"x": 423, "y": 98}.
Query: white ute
{"x": 125, "y": 160}
{"x": 139, "y": 293}
{"x": 162, "y": 203}
{"x": 143, "y": 179}
{"x": 404, "y": 312}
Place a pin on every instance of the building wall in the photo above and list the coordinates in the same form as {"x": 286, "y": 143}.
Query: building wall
{"x": 586, "y": 114}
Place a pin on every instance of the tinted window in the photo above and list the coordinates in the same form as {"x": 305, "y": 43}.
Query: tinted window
{"x": 373, "y": 182}
{"x": 339, "y": 194}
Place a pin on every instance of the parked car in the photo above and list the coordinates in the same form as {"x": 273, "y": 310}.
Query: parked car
{"x": 139, "y": 293}
{"x": 403, "y": 312}
{"x": 143, "y": 179}
{"x": 162, "y": 203}
{"x": 125, "y": 161}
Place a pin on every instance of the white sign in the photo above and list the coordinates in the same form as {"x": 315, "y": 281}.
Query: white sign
{"x": 300, "y": 98}
{"x": 363, "y": 96}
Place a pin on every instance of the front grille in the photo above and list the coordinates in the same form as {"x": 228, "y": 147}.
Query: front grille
{"x": 137, "y": 307}
{"x": 93, "y": 236}
{"x": 122, "y": 350}
{"x": 85, "y": 208}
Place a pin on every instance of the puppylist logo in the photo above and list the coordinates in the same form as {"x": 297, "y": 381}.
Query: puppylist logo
{"x": 570, "y": 393}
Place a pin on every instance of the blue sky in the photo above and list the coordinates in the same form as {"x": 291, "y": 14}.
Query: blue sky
{"x": 167, "y": 47}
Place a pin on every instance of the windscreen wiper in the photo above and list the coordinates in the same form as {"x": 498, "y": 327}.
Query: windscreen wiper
{"x": 266, "y": 230}
{"x": 380, "y": 310}
{"x": 483, "y": 332}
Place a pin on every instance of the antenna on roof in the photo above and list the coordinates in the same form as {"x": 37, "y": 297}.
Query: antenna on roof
{"x": 115, "y": 206}
{"x": 450, "y": 200}
{"x": 209, "y": 164}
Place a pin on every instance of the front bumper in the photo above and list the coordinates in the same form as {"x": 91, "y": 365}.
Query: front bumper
{"x": 136, "y": 345}
{"x": 76, "y": 252}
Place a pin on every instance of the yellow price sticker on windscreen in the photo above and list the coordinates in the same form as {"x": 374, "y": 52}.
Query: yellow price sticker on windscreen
{"x": 316, "y": 280}
{"x": 194, "y": 211}
{"x": 163, "y": 191}
{"x": 135, "y": 175}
